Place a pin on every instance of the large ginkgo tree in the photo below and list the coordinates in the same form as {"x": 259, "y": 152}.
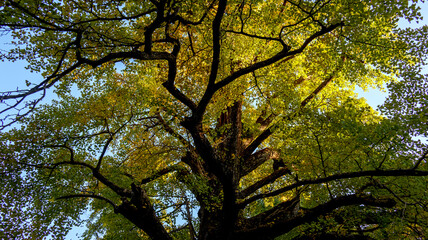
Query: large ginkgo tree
{"x": 179, "y": 119}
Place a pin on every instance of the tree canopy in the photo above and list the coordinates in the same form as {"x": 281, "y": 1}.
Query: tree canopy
{"x": 178, "y": 119}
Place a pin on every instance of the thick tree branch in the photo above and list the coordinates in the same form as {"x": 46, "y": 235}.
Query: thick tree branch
{"x": 264, "y": 122}
{"x": 169, "y": 84}
{"x": 138, "y": 55}
{"x": 140, "y": 212}
{"x": 321, "y": 86}
{"x": 421, "y": 158}
{"x": 285, "y": 52}
{"x": 160, "y": 12}
{"x": 316, "y": 91}
{"x": 256, "y": 143}
{"x": 231, "y": 138}
{"x": 171, "y": 131}
{"x": 95, "y": 172}
{"x": 139, "y": 15}
{"x": 256, "y": 159}
{"x": 267, "y": 132}
{"x": 263, "y": 182}
{"x": 216, "y": 34}
{"x": 323, "y": 31}
{"x": 203, "y": 147}
{"x": 32, "y": 15}
{"x": 101, "y": 157}
{"x": 350, "y": 175}
{"x": 284, "y": 217}
{"x": 178, "y": 94}
{"x": 254, "y": 36}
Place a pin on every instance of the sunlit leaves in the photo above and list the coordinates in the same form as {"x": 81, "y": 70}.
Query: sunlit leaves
{"x": 142, "y": 100}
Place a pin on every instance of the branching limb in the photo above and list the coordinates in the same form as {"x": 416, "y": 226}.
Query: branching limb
{"x": 284, "y": 53}
{"x": 284, "y": 217}
{"x": 263, "y": 182}
{"x": 106, "y": 145}
{"x": 32, "y": 105}
{"x": 172, "y": 132}
{"x": 172, "y": 89}
{"x": 315, "y": 92}
{"x": 122, "y": 17}
{"x": 216, "y": 34}
{"x": 32, "y": 15}
{"x": 251, "y": 162}
{"x": 323, "y": 31}
{"x": 192, "y": 160}
{"x": 160, "y": 18}
{"x": 256, "y": 143}
{"x": 264, "y": 122}
{"x": 350, "y": 175}
{"x": 419, "y": 161}
{"x": 139, "y": 210}
{"x": 254, "y": 36}
{"x": 96, "y": 173}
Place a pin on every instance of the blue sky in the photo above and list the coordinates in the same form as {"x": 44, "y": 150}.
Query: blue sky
{"x": 376, "y": 97}
{"x": 14, "y": 74}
